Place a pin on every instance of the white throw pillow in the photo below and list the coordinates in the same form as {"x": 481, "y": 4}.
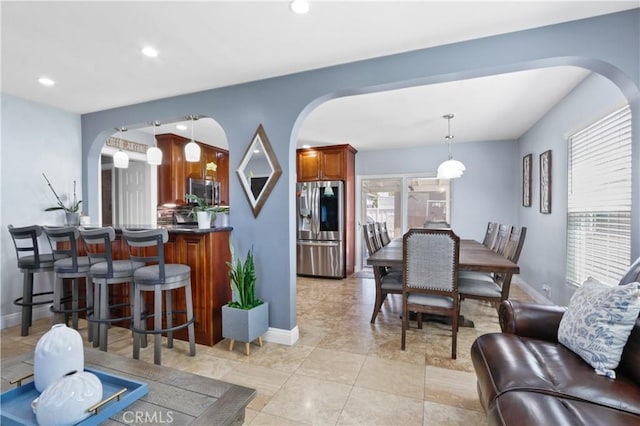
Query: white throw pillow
{"x": 598, "y": 322}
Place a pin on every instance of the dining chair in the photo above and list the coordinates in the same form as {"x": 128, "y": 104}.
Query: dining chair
{"x": 430, "y": 261}
{"x": 387, "y": 281}
{"x": 384, "y": 233}
{"x": 490, "y": 234}
{"x": 64, "y": 242}
{"x": 160, "y": 278}
{"x": 377, "y": 234}
{"x": 30, "y": 261}
{"x": 106, "y": 274}
{"x": 501, "y": 238}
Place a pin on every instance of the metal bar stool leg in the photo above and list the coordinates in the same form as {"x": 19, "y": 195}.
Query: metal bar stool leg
{"x": 27, "y": 290}
{"x": 104, "y": 315}
{"x": 137, "y": 321}
{"x": 190, "y": 327}
{"x": 90, "y": 306}
{"x": 157, "y": 324}
{"x": 74, "y": 303}
{"x": 169, "y": 316}
{"x": 58, "y": 292}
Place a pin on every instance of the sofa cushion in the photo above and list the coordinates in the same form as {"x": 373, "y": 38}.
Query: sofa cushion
{"x": 531, "y": 408}
{"x": 598, "y": 321}
{"x": 507, "y": 362}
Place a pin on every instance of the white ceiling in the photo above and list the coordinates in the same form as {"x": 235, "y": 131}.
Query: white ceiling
{"x": 92, "y": 50}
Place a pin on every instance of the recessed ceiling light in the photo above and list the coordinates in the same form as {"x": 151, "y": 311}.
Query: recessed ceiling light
{"x": 299, "y": 6}
{"x": 181, "y": 127}
{"x": 46, "y": 81}
{"x": 150, "y": 52}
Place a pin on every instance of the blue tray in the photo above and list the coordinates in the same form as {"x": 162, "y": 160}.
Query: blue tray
{"x": 15, "y": 405}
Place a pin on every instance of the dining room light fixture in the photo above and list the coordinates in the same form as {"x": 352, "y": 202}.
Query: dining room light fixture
{"x": 451, "y": 168}
{"x": 154, "y": 155}
{"x": 192, "y": 149}
{"x": 299, "y": 7}
{"x": 120, "y": 158}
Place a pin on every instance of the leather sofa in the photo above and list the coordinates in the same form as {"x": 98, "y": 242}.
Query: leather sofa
{"x": 525, "y": 377}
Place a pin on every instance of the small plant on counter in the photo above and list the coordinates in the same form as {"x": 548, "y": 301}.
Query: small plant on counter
{"x": 243, "y": 281}
{"x": 74, "y": 207}
{"x": 201, "y": 206}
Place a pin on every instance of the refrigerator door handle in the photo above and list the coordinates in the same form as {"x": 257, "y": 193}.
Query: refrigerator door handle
{"x": 315, "y": 224}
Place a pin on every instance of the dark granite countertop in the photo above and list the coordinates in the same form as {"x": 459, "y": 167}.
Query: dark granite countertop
{"x": 177, "y": 229}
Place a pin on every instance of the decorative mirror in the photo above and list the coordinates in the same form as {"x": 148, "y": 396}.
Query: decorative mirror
{"x": 259, "y": 170}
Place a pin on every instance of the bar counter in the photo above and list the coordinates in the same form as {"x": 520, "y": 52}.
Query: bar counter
{"x": 207, "y": 252}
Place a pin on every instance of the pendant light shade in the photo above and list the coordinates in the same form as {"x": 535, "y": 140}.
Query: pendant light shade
{"x": 154, "y": 155}
{"x": 120, "y": 158}
{"x": 192, "y": 149}
{"x": 451, "y": 168}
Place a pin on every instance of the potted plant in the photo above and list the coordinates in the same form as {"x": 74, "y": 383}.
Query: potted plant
{"x": 72, "y": 211}
{"x": 222, "y": 216}
{"x": 203, "y": 212}
{"x": 245, "y": 318}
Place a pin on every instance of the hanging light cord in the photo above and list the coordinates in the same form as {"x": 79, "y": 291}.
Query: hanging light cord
{"x": 449, "y": 135}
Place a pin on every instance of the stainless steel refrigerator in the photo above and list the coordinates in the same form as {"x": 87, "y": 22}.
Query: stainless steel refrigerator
{"x": 320, "y": 229}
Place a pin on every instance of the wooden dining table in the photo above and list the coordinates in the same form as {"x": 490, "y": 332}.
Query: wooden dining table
{"x": 474, "y": 256}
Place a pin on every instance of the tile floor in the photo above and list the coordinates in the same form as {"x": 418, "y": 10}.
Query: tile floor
{"x": 343, "y": 370}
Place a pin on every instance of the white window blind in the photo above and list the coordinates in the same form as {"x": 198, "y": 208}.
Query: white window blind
{"x": 599, "y": 200}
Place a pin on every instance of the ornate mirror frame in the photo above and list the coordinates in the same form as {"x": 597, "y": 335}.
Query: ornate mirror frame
{"x": 259, "y": 145}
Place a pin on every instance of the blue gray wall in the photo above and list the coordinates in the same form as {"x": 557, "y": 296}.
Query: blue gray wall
{"x": 543, "y": 260}
{"x": 608, "y": 44}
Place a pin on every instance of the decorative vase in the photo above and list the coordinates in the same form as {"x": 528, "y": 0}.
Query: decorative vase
{"x": 67, "y": 400}
{"x": 222, "y": 220}
{"x": 58, "y": 352}
{"x": 72, "y": 218}
{"x": 204, "y": 220}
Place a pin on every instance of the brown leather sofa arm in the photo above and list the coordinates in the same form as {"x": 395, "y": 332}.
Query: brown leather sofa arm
{"x": 530, "y": 319}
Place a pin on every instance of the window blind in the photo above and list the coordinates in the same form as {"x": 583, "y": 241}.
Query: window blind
{"x": 599, "y": 200}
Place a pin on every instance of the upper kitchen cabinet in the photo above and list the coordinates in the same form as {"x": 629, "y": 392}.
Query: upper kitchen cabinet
{"x": 336, "y": 162}
{"x": 175, "y": 170}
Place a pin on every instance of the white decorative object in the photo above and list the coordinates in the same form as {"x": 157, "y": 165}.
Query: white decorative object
{"x": 204, "y": 220}
{"x": 58, "y": 352}
{"x": 598, "y": 322}
{"x": 66, "y": 401}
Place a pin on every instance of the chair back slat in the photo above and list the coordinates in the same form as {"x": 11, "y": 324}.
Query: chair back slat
{"x": 490, "y": 235}
{"x": 369, "y": 238}
{"x": 501, "y": 239}
{"x": 514, "y": 245}
{"x": 98, "y": 244}
{"x": 63, "y": 242}
{"x": 148, "y": 238}
{"x": 384, "y": 233}
{"x": 25, "y": 241}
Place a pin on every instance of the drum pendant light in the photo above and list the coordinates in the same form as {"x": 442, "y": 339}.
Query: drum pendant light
{"x": 120, "y": 158}
{"x": 154, "y": 155}
{"x": 451, "y": 168}
{"x": 192, "y": 149}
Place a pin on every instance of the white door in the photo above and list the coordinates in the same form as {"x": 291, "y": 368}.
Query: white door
{"x": 134, "y": 203}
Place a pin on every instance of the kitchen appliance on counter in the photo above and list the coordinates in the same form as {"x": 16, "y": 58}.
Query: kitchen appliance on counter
{"x": 320, "y": 245}
{"x": 208, "y": 190}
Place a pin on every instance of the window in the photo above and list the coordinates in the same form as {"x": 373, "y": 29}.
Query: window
{"x": 599, "y": 200}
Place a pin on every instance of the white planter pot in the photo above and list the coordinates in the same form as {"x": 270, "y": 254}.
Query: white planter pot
{"x": 204, "y": 220}
{"x": 222, "y": 220}
{"x": 58, "y": 352}
{"x": 66, "y": 401}
{"x": 243, "y": 325}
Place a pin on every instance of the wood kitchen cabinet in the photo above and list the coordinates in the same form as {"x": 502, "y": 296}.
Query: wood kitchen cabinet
{"x": 175, "y": 170}
{"x": 335, "y": 162}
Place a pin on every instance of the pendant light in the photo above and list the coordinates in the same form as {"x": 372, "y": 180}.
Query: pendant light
{"x": 120, "y": 158}
{"x": 451, "y": 168}
{"x": 192, "y": 149}
{"x": 154, "y": 155}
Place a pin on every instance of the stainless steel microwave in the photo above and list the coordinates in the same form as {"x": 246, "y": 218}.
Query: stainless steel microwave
{"x": 208, "y": 190}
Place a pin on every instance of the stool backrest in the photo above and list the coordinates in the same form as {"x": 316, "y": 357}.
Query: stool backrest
{"x": 25, "y": 240}
{"x": 139, "y": 239}
{"x": 98, "y": 244}
{"x": 64, "y": 243}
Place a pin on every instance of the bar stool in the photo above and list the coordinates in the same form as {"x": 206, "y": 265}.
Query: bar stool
{"x": 158, "y": 278}
{"x": 68, "y": 265}
{"x": 105, "y": 273}
{"x": 30, "y": 261}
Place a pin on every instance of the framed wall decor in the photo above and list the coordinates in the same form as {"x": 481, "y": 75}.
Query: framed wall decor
{"x": 526, "y": 180}
{"x": 545, "y": 182}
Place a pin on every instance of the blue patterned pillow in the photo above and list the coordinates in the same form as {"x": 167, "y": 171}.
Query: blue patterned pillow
{"x": 598, "y": 322}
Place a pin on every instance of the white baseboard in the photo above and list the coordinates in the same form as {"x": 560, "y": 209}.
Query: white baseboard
{"x": 282, "y": 336}
{"x": 533, "y": 293}
{"x": 15, "y": 318}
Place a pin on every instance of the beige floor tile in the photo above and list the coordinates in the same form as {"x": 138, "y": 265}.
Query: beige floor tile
{"x": 336, "y": 366}
{"x": 443, "y": 415}
{"x": 311, "y": 335}
{"x": 249, "y": 415}
{"x": 305, "y": 399}
{"x": 451, "y": 387}
{"x": 396, "y": 377}
{"x": 280, "y": 357}
{"x": 209, "y": 366}
{"x": 265, "y": 380}
{"x": 370, "y": 407}
{"x": 263, "y": 419}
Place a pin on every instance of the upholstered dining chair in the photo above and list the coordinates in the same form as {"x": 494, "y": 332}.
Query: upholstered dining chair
{"x": 106, "y": 274}
{"x": 30, "y": 261}
{"x": 160, "y": 278}
{"x": 69, "y": 264}
{"x": 387, "y": 281}
{"x": 430, "y": 260}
